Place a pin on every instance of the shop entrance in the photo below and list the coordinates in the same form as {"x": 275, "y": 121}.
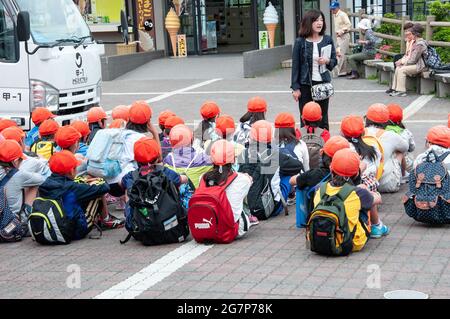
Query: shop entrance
{"x": 227, "y": 26}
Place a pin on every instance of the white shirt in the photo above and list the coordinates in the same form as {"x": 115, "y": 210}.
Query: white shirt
{"x": 236, "y": 193}
{"x": 315, "y": 69}
{"x": 439, "y": 150}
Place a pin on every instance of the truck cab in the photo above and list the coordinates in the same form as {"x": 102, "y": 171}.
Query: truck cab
{"x": 54, "y": 63}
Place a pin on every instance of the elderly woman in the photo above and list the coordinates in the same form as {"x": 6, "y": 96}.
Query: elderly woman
{"x": 413, "y": 65}
{"x": 368, "y": 52}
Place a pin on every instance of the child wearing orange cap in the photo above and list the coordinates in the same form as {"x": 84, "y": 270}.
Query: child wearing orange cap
{"x": 75, "y": 197}
{"x": 437, "y": 141}
{"x": 256, "y": 111}
{"x": 225, "y": 128}
{"x": 96, "y": 117}
{"x": 205, "y": 132}
{"x": 345, "y": 172}
{"x": 22, "y": 186}
{"x": 45, "y": 146}
{"x": 394, "y": 147}
{"x": 312, "y": 121}
{"x": 83, "y": 128}
{"x": 39, "y": 115}
{"x": 166, "y": 148}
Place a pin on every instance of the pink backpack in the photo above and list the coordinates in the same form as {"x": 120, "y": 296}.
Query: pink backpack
{"x": 210, "y": 216}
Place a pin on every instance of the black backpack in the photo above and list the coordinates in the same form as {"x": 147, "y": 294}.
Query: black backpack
{"x": 260, "y": 198}
{"x": 156, "y": 215}
{"x": 11, "y": 229}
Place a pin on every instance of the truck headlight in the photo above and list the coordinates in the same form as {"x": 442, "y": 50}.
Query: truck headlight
{"x": 44, "y": 95}
{"x": 98, "y": 91}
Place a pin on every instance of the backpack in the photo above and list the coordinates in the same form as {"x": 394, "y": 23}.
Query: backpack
{"x": 432, "y": 58}
{"x": 314, "y": 142}
{"x": 187, "y": 190}
{"x": 242, "y": 134}
{"x": 156, "y": 216}
{"x": 374, "y": 140}
{"x": 43, "y": 148}
{"x": 105, "y": 152}
{"x": 290, "y": 165}
{"x": 428, "y": 197}
{"x": 210, "y": 216}
{"x": 260, "y": 198}
{"x": 328, "y": 232}
{"x": 49, "y": 224}
{"x": 10, "y": 226}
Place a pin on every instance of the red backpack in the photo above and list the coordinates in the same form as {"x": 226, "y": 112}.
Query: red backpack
{"x": 210, "y": 216}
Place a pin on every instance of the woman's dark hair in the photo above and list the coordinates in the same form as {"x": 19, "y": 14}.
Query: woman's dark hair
{"x": 375, "y": 124}
{"x": 140, "y": 128}
{"x": 408, "y": 25}
{"x": 312, "y": 124}
{"x": 214, "y": 177}
{"x": 161, "y": 127}
{"x": 417, "y": 30}
{"x": 286, "y": 135}
{"x": 252, "y": 117}
{"x": 48, "y": 137}
{"x": 6, "y": 165}
{"x": 326, "y": 160}
{"x": 95, "y": 125}
{"x": 307, "y": 22}
{"x": 364, "y": 150}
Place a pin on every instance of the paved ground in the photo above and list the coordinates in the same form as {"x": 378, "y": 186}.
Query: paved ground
{"x": 272, "y": 261}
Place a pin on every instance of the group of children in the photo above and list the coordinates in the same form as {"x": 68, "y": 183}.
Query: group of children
{"x": 373, "y": 154}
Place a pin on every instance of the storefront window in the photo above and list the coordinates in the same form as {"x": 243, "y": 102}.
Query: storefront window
{"x": 279, "y": 32}
{"x": 101, "y": 11}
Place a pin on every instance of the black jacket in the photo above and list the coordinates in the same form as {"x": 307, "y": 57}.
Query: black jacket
{"x": 302, "y": 61}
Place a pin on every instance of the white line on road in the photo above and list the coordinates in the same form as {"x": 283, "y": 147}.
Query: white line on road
{"x": 416, "y": 105}
{"x": 155, "y": 272}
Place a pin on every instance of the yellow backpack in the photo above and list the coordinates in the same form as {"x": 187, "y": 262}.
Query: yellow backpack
{"x": 44, "y": 149}
{"x": 374, "y": 140}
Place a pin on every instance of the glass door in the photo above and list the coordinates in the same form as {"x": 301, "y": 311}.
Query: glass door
{"x": 303, "y": 6}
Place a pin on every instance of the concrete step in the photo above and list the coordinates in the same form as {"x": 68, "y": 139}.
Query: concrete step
{"x": 286, "y": 64}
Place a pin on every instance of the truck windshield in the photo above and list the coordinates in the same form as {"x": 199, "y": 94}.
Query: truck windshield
{"x": 55, "y": 20}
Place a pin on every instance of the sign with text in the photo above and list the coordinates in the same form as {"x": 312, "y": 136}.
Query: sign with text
{"x": 182, "y": 48}
{"x": 263, "y": 40}
{"x": 146, "y": 17}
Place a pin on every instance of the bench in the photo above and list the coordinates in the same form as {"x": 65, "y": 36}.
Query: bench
{"x": 370, "y": 69}
{"x": 442, "y": 84}
{"x": 385, "y": 69}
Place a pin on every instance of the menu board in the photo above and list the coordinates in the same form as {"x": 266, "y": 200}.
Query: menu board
{"x": 145, "y": 17}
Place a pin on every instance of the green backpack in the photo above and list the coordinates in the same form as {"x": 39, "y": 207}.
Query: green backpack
{"x": 327, "y": 230}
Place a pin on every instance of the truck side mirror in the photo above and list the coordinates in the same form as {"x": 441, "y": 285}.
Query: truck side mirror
{"x": 124, "y": 26}
{"x": 23, "y": 26}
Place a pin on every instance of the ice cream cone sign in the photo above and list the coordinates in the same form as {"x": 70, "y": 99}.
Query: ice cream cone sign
{"x": 271, "y": 21}
{"x": 172, "y": 26}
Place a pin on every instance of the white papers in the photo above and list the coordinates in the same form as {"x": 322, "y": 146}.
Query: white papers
{"x": 325, "y": 52}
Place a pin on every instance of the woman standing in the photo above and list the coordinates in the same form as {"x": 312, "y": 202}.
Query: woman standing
{"x": 310, "y": 65}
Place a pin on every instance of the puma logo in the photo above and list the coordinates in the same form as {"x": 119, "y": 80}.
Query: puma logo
{"x": 207, "y": 224}
{"x": 208, "y": 221}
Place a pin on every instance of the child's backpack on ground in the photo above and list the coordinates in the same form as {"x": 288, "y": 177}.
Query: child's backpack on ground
{"x": 260, "y": 198}
{"x": 156, "y": 215}
{"x": 432, "y": 58}
{"x": 11, "y": 229}
{"x": 428, "y": 198}
{"x": 44, "y": 149}
{"x": 105, "y": 152}
{"x": 290, "y": 165}
{"x": 314, "y": 142}
{"x": 49, "y": 224}
{"x": 374, "y": 140}
{"x": 242, "y": 134}
{"x": 328, "y": 232}
{"x": 210, "y": 217}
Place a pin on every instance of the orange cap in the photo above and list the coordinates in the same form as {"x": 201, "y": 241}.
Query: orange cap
{"x": 5, "y": 123}
{"x": 67, "y": 136}
{"x": 335, "y": 144}
{"x": 352, "y": 126}
{"x": 395, "y": 112}
{"x": 146, "y": 150}
{"x": 209, "y": 110}
{"x": 285, "y": 120}
{"x": 63, "y": 162}
{"x": 439, "y": 135}
{"x": 345, "y": 163}
{"x": 96, "y": 114}
{"x": 48, "y": 127}
{"x": 13, "y": 133}
{"x": 140, "y": 112}
{"x": 378, "y": 113}
{"x": 82, "y": 127}
{"x": 172, "y": 121}
{"x": 256, "y": 105}
{"x": 225, "y": 125}
{"x": 40, "y": 114}
{"x": 118, "y": 123}
{"x": 222, "y": 153}
{"x": 10, "y": 150}
{"x": 121, "y": 112}
{"x": 261, "y": 131}
{"x": 312, "y": 112}
{"x": 180, "y": 136}
{"x": 164, "y": 115}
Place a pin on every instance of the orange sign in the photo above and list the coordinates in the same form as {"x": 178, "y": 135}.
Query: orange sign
{"x": 181, "y": 42}
{"x": 145, "y": 16}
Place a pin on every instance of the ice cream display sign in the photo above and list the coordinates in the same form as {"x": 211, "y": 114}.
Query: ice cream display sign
{"x": 173, "y": 25}
{"x": 270, "y": 20}
{"x": 145, "y": 16}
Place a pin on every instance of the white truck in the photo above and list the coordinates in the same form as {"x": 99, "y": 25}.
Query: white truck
{"x": 48, "y": 58}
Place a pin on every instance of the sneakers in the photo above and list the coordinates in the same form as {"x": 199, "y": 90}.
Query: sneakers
{"x": 378, "y": 231}
{"x": 253, "y": 220}
{"x": 397, "y": 93}
{"x": 291, "y": 199}
{"x": 111, "y": 222}
{"x": 390, "y": 91}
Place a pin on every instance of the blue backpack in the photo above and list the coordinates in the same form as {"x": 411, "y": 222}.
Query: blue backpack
{"x": 11, "y": 229}
{"x": 432, "y": 58}
{"x": 428, "y": 198}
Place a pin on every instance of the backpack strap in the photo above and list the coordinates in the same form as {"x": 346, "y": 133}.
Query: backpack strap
{"x": 8, "y": 176}
{"x": 230, "y": 180}
{"x": 315, "y": 188}
{"x": 443, "y": 157}
{"x": 173, "y": 160}
{"x": 364, "y": 227}
{"x": 345, "y": 191}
